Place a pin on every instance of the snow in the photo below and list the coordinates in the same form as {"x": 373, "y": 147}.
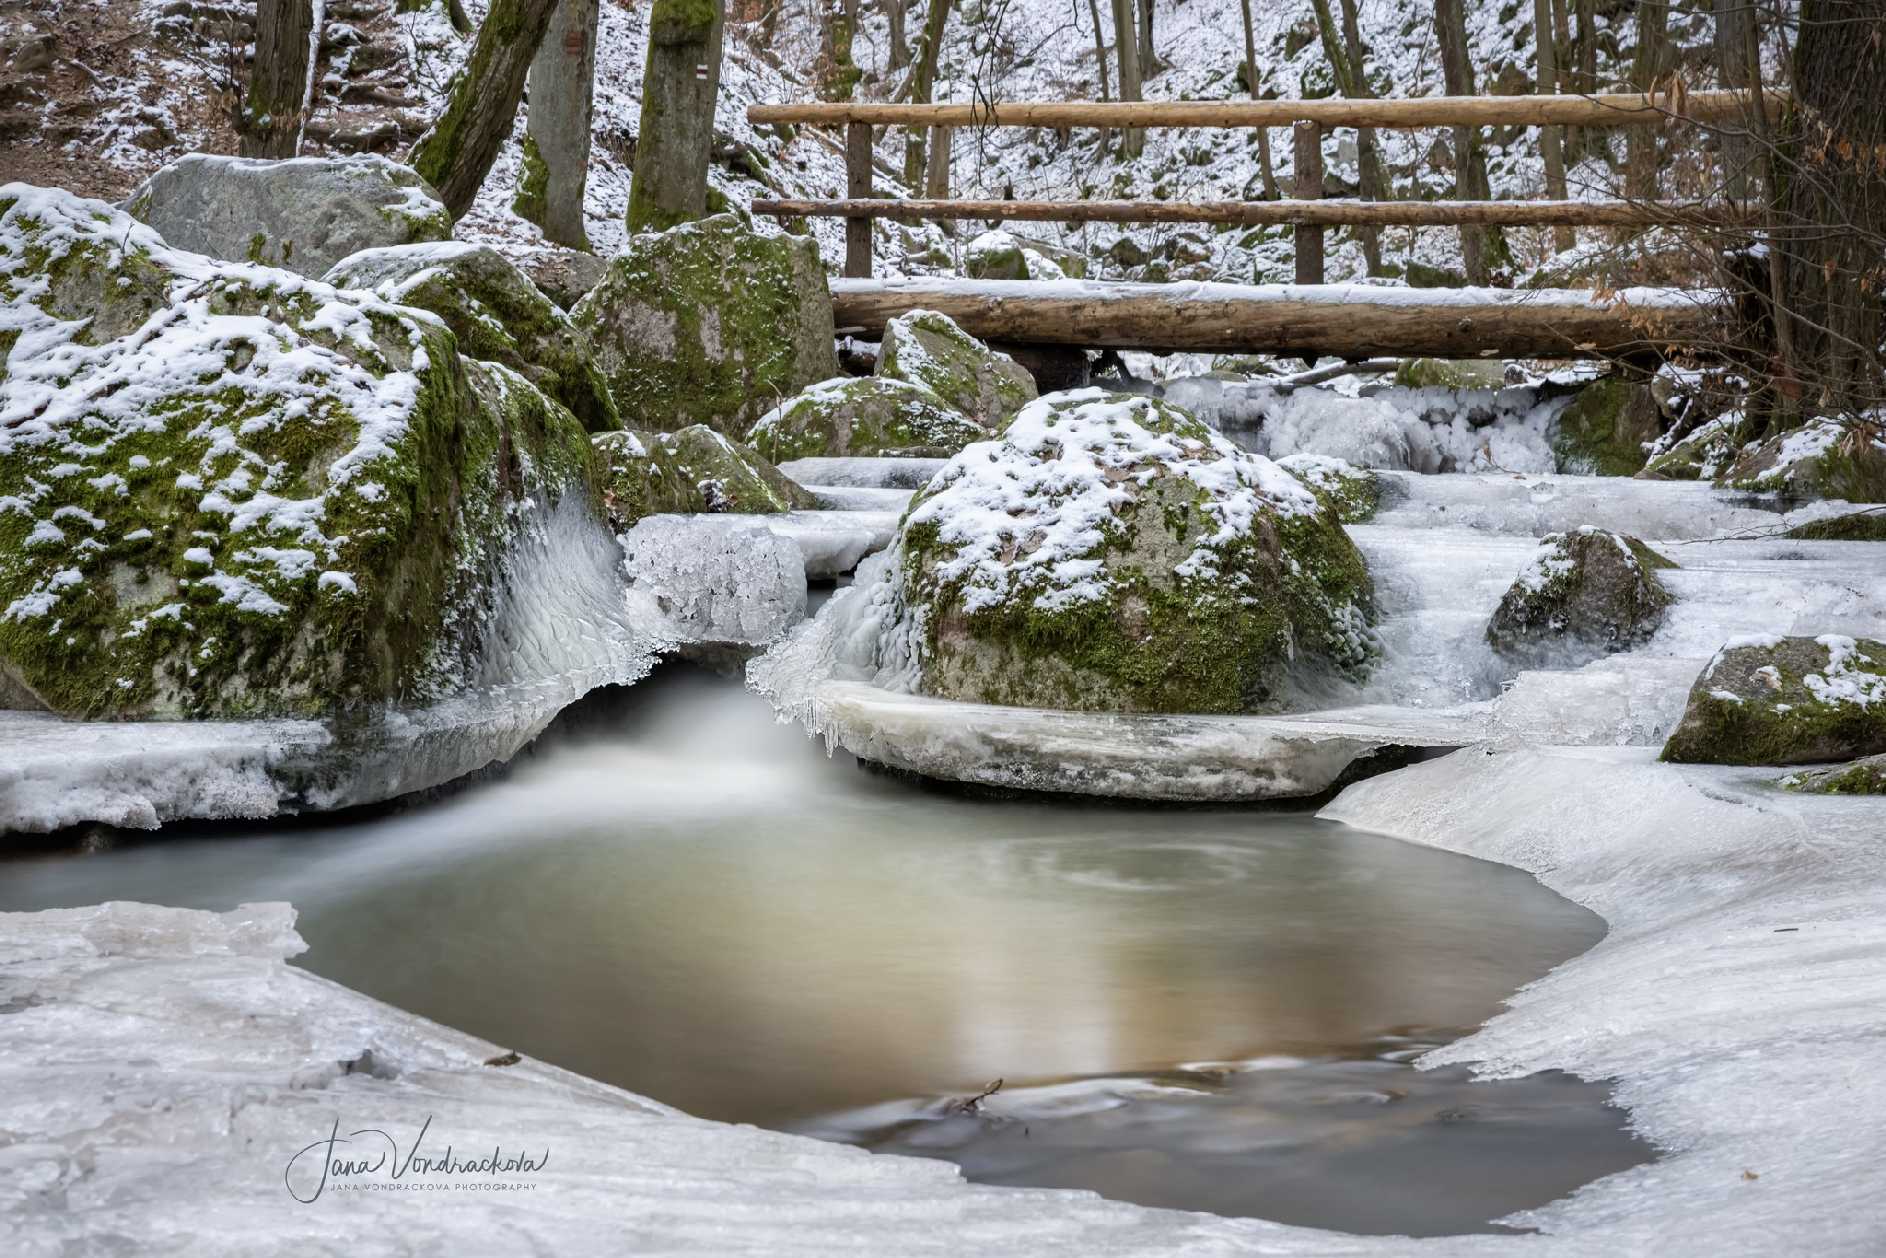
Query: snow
{"x": 718, "y": 579}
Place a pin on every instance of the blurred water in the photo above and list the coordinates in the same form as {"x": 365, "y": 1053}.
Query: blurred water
{"x": 672, "y": 893}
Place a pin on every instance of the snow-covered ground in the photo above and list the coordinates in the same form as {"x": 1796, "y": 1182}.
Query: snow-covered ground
{"x": 161, "y": 1069}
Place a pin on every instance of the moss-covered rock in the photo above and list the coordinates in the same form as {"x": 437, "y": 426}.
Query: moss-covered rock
{"x": 997, "y": 255}
{"x": 230, "y": 491}
{"x": 303, "y": 214}
{"x": 1853, "y": 526}
{"x": 1585, "y": 593}
{"x": 1352, "y": 493}
{"x": 694, "y": 470}
{"x": 709, "y": 323}
{"x": 1701, "y": 454}
{"x": 1865, "y": 776}
{"x": 863, "y": 416}
{"x": 1111, "y": 553}
{"x": 927, "y": 348}
{"x": 1824, "y": 458}
{"x": 1450, "y": 373}
{"x": 1769, "y": 700}
{"x": 1605, "y": 430}
{"x": 496, "y": 313}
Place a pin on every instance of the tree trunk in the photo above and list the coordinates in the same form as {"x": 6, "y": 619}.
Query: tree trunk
{"x": 676, "y": 135}
{"x": 1148, "y": 60}
{"x": 556, "y": 139}
{"x": 1100, "y": 60}
{"x": 1551, "y": 139}
{"x": 1266, "y": 168}
{"x": 1735, "y": 48}
{"x": 894, "y": 11}
{"x": 1647, "y": 71}
{"x": 1126, "y": 48}
{"x": 1585, "y": 141}
{"x": 838, "y": 73}
{"x": 278, "y": 84}
{"x": 1470, "y": 178}
{"x": 922, "y": 85}
{"x": 1346, "y": 61}
{"x": 456, "y": 154}
{"x": 936, "y": 179}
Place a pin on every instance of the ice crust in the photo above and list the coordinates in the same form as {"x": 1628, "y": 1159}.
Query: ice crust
{"x": 718, "y": 579}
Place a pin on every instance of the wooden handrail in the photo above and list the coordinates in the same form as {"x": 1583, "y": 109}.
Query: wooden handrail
{"x": 1327, "y": 213}
{"x": 1602, "y": 110}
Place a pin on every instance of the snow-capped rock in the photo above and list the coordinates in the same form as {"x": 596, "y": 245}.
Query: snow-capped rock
{"x": 1795, "y": 700}
{"x": 928, "y": 349}
{"x": 694, "y": 470}
{"x": 1585, "y": 593}
{"x": 869, "y": 416}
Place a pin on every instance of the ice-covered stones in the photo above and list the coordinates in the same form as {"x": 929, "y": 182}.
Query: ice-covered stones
{"x": 863, "y": 416}
{"x": 1584, "y": 593}
{"x": 927, "y": 348}
{"x": 1771, "y": 700}
{"x": 709, "y": 323}
{"x": 694, "y": 470}
{"x": 1865, "y": 776}
{"x": 496, "y": 313}
{"x": 1111, "y": 553}
{"x": 1352, "y": 492}
{"x": 1703, "y": 453}
{"x": 1826, "y": 457}
{"x": 720, "y": 581}
{"x": 303, "y": 214}
{"x": 226, "y": 490}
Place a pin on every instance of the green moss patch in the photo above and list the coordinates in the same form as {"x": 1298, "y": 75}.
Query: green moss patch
{"x": 863, "y": 416}
{"x": 928, "y": 349}
{"x": 694, "y": 470}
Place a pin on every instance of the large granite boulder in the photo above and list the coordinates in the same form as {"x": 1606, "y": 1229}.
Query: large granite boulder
{"x": 997, "y": 255}
{"x": 231, "y": 491}
{"x": 1770, "y": 700}
{"x": 709, "y": 323}
{"x": 1111, "y": 553}
{"x": 1352, "y": 493}
{"x": 303, "y": 214}
{"x": 694, "y": 470}
{"x": 1585, "y": 593}
{"x": 496, "y": 313}
{"x": 927, "y": 348}
{"x": 863, "y": 416}
{"x": 1605, "y": 430}
{"x": 1824, "y": 458}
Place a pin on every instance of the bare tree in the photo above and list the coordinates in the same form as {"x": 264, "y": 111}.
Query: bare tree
{"x": 1346, "y": 55}
{"x": 1148, "y": 59}
{"x": 838, "y": 74}
{"x": 1125, "y": 47}
{"x": 676, "y": 136}
{"x": 278, "y": 85}
{"x": 921, "y": 84}
{"x": 894, "y": 12}
{"x": 1648, "y": 68}
{"x": 936, "y": 179}
{"x": 456, "y": 154}
{"x": 1100, "y": 59}
{"x": 1470, "y": 170}
{"x": 1551, "y": 139}
{"x": 1735, "y": 55}
{"x": 1266, "y": 168}
{"x": 556, "y": 139}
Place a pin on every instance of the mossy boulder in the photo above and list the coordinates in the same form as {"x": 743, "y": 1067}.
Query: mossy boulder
{"x": 709, "y": 323}
{"x": 1700, "y": 454}
{"x": 1865, "y": 776}
{"x": 496, "y": 313}
{"x": 927, "y": 348}
{"x": 1585, "y": 593}
{"x": 1853, "y": 526}
{"x": 1450, "y": 373}
{"x": 850, "y": 416}
{"x": 997, "y": 255}
{"x": 1605, "y": 430}
{"x": 1824, "y": 458}
{"x": 1771, "y": 700}
{"x": 1352, "y": 493}
{"x": 230, "y": 491}
{"x": 1111, "y": 553}
{"x": 694, "y": 470}
{"x": 303, "y": 214}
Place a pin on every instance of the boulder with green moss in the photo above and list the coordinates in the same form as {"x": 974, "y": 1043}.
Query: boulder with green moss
{"x": 1699, "y": 454}
{"x": 1111, "y": 553}
{"x": 1352, "y": 492}
{"x": 927, "y": 348}
{"x": 303, "y": 214}
{"x": 1827, "y": 457}
{"x": 496, "y": 313}
{"x": 231, "y": 491}
{"x": 1865, "y": 776}
{"x": 1852, "y": 526}
{"x": 694, "y": 470}
{"x": 1605, "y": 430}
{"x": 1585, "y": 593}
{"x": 1450, "y": 373}
{"x": 997, "y": 255}
{"x": 1773, "y": 700}
{"x": 858, "y": 416}
{"x": 709, "y": 323}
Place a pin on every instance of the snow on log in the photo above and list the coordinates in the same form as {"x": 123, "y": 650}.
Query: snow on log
{"x": 1261, "y": 213}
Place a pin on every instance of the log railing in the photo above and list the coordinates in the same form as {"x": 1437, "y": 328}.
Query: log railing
{"x": 1308, "y": 213}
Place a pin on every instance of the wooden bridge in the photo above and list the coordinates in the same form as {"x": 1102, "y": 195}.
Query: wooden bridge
{"x": 1348, "y": 320}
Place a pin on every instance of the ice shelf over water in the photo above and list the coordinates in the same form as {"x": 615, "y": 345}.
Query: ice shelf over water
{"x": 159, "y": 1069}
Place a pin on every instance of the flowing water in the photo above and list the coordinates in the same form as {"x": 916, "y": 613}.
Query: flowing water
{"x": 1202, "y": 1009}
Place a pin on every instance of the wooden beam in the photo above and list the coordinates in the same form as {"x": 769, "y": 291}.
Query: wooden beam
{"x": 1353, "y": 321}
{"x": 1612, "y": 109}
{"x": 858, "y": 186}
{"x": 1307, "y": 158}
{"x": 1322, "y": 213}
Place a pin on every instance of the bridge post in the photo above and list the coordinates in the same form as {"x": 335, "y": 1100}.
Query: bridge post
{"x": 857, "y": 186}
{"x": 1308, "y": 153}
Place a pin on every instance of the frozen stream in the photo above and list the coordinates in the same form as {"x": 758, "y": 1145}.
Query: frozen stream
{"x": 1210, "y": 1009}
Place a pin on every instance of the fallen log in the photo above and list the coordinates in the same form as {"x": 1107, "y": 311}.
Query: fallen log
{"x": 1330, "y": 213}
{"x": 1346, "y": 320}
